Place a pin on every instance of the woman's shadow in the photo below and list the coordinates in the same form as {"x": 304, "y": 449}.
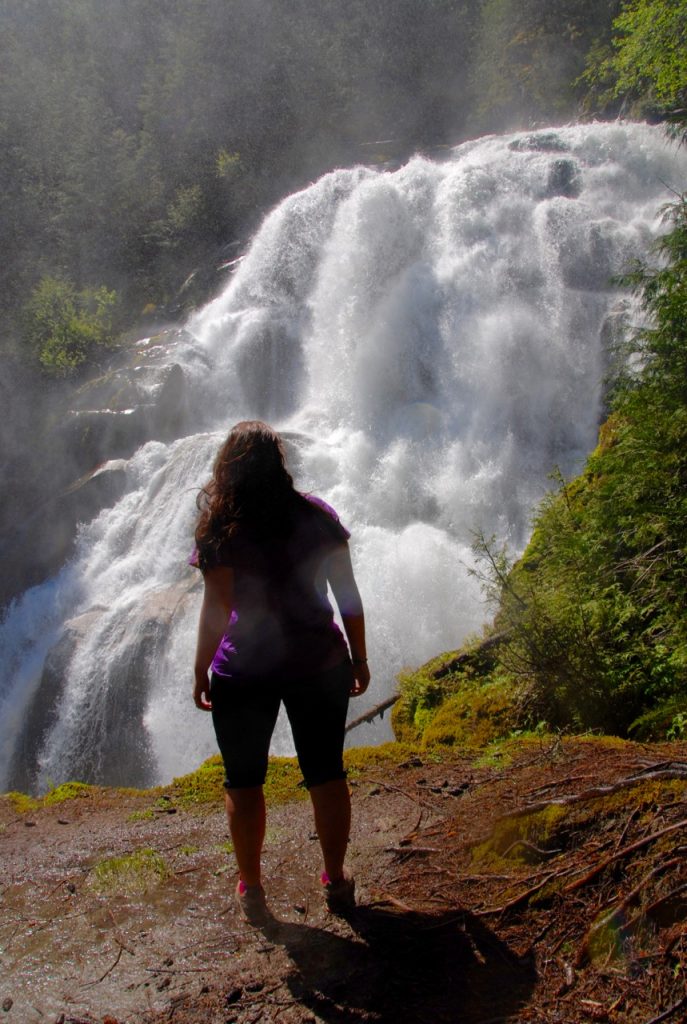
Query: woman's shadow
{"x": 406, "y": 967}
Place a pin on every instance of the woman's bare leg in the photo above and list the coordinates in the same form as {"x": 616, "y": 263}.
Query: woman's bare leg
{"x": 332, "y": 806}
{"x": 246, "y": 814}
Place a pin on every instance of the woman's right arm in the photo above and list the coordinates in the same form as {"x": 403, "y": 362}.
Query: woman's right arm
{"x": 218, "y": 592}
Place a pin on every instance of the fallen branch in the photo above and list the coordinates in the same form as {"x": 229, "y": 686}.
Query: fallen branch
{"x": 669, "y": 1012}
{"x": 378, "y": 709}
{"x": 410, "y": 796}
{"x": 560, "y": 782}
{"x": 530, "y": 846}
{"x": 592, "y": 794}
{"x": 518, "y": 900}
{"x": 598, "y": 868}
{"x": 621, "y": 838}
{"x": 613, "y": 917}
{"x": 109, "y": 970}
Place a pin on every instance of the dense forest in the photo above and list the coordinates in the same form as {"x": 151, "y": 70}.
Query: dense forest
{"x": 142, "y": 140}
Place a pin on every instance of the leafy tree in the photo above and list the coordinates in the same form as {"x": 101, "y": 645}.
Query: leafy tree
{"x": 647, "y": 60}
{"x": 66, "y": 328}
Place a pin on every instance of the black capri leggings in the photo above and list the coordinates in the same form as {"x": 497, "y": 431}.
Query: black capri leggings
{"x": 244, "y": 714}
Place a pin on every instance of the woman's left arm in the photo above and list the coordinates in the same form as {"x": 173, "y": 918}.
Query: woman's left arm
{"x": 218, "y": 594}
{"x": 347, "y": 595}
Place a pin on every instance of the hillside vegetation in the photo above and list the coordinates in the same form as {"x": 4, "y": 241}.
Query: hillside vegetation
{"x": 142, "y": 140}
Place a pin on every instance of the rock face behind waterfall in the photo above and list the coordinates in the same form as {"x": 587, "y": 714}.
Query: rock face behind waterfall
{"x": 141, "y": 397}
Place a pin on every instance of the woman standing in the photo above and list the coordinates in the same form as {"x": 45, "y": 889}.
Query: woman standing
{"x": 266, "y": 635}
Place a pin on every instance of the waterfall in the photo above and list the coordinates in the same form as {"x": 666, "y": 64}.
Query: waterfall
{"x": 432, "y": 344}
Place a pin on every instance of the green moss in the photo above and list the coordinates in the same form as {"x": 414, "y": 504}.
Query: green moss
{"x": 420, "y": 695}
{"x": 358, "y": 759}
{"x": 474, "y": 716}
{"x": 284, "y": 781}
{"x": 145, "y": 815}
{"x": 510, "y": 836}
{"x": 641, "y": 796}
{"x": 21, "y": 803}
{"x": 202, "y": 786}
{"x": 226, "y": 847}
{"x": 133, "y": 873}
{"x": 206, "y": 784}
{"x": 68, "y": 791}
{"x": 24, "y": 804}
{"x": 459, "y": 698}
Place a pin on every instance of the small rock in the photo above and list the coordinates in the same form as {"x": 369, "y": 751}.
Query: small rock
{"x": 7, "y": 1004}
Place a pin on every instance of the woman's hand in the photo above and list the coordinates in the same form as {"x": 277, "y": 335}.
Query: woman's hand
{"x": 361, "y": 678}
{"x": 201, "y": 692}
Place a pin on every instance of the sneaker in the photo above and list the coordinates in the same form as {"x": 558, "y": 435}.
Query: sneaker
{"x": 340, "y": 895}
{"x": 251, "y": 903}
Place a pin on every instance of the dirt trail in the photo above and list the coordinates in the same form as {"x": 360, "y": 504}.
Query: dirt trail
{"x": 472, "y": 908}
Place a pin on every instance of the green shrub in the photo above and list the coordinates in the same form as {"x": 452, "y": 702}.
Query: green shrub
{"x": 67, "y": 328}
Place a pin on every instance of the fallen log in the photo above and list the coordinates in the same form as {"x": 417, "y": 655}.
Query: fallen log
{"x": 370, "y": 715}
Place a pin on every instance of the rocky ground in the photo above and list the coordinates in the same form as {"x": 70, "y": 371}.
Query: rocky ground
{"x": 546, "y": 882}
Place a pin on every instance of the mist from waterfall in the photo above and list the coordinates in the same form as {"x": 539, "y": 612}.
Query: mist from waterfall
{"x": 432, "y": 343}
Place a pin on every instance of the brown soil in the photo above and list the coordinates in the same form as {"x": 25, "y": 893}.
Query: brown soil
{"x": 472, "y": 908}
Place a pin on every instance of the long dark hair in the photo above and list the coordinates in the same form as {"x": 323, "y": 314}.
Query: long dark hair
{"x": 250, "y": 487}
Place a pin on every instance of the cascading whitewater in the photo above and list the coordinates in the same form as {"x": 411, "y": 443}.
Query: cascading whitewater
{"x": 432, "y": 343}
